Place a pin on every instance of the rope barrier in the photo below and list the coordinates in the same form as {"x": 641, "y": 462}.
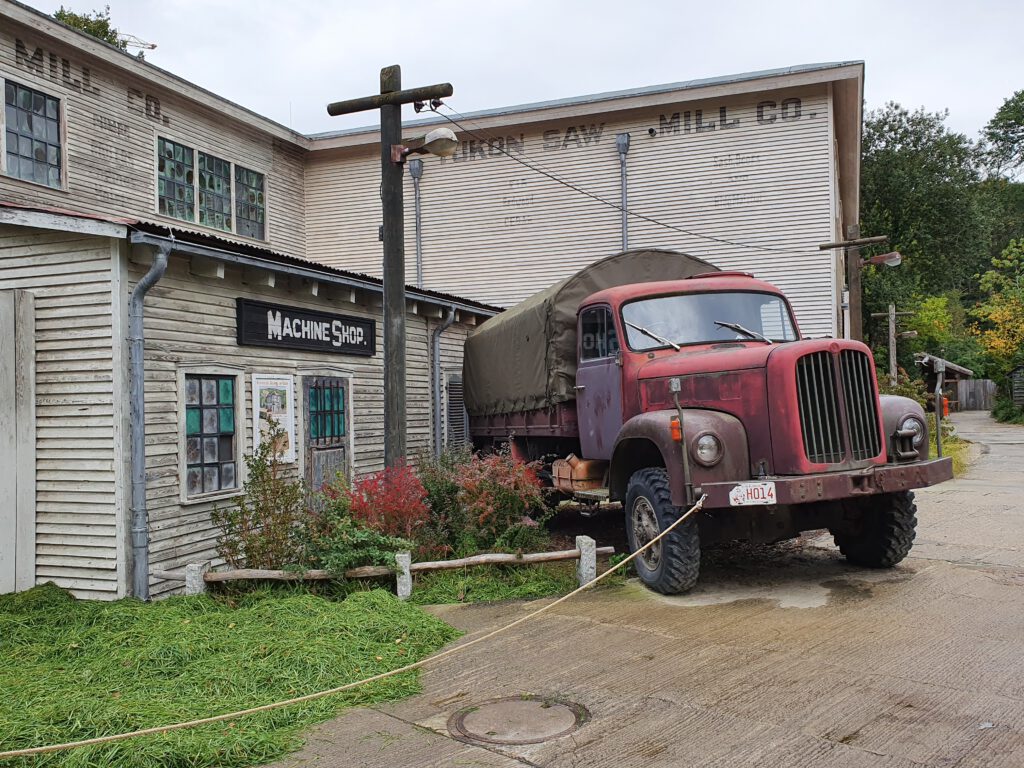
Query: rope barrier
{"x": 349, "y": 686}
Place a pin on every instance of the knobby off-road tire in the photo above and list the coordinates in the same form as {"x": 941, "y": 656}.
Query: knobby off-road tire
{"x": 673, "y": 564}
{"x": 885, "y": 532}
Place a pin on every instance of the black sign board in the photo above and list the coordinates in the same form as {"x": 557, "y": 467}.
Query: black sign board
{"x": 273, "y": 325}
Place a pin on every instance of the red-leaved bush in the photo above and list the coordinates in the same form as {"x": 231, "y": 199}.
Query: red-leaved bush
{"x": 499, "y": 492}
{"x": 392, "y": 501}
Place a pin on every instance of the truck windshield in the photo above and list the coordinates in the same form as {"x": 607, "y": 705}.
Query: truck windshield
{"x": 690, "y": 318}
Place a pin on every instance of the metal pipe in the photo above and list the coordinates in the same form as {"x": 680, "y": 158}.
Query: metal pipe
{"x": 416, "y": 171}
{"x": 137, "y": 410}
{"x": 435, "y": 341}
{"x": 622, "y": 143}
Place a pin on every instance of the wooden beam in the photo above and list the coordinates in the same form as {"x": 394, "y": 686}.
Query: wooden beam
{"x": 259, "y": 278}
{"x": 200, "y": 266}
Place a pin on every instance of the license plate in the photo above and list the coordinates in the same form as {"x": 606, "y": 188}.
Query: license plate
{"x": 746, "y": 494}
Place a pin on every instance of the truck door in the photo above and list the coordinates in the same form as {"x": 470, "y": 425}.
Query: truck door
{"x": 598, "y": 383}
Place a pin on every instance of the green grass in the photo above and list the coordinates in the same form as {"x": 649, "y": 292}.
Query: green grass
{"x": 955, "y": 447}
{"x": 490, "y": 583}
{"x": 72, "y": 670}
{"x": 493, "y": 583}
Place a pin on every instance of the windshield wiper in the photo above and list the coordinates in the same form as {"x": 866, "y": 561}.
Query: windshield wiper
{"x": 653, "y": 335}
{"x": 745, "y": 331}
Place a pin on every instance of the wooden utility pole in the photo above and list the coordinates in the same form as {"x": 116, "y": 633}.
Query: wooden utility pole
{"x": 390, "y": 102}
{"x": 892, "y": 314}
{"x": 851, "y": 250}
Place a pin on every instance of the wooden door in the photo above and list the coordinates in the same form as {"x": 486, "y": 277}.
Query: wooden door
{"x": 327, "y": 430}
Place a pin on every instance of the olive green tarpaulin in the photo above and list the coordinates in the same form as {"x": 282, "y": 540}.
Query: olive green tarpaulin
{"x": 525, "y": 358}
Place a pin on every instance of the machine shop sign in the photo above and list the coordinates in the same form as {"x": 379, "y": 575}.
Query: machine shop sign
{"x": 273, "y": 325}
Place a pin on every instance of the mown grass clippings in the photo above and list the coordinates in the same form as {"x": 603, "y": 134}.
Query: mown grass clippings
{"x": 72, "y": 670}
{"x": 954, "y": 447}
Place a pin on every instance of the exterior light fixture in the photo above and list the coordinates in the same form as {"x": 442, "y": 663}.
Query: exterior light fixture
{"x": 893, "y": 259}
{"x": 440, "y": 141}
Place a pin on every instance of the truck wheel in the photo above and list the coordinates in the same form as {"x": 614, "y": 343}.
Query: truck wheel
{"x": 884, "y": 532}
{"x": 673, "y": 564}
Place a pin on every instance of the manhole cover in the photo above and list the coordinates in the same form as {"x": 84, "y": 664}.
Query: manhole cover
{"x": 517, "y": 720}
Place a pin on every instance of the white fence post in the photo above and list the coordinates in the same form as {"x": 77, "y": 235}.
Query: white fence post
{"x": 586, "y": 568}
{"x": 194, "y": 582}
{"x": 403, "y": 576}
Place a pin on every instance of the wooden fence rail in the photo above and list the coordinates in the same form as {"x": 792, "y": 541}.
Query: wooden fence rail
{"x": 197, "y": 575}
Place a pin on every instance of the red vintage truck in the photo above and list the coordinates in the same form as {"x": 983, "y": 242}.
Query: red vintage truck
{"x": 650, "y": 378}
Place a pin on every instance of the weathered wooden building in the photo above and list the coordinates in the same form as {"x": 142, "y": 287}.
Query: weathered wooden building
{"x": 106, "y": 163}
{"x": 269, "y": 303}
{"x": 750, "y": 172}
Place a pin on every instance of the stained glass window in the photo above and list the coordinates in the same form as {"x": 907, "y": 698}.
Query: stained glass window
{"x": 176, "y": 194}
{"x": 209, "y": 434}
{"x": 33, "y": 142}
{"x": 250, "y": 205}
{"x": 214, "y": 192}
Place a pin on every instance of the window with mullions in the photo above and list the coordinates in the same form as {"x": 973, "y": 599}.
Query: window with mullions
{"x": 250, "y": 208}
{"x": 214, "y": 192}
{"x": 326, "y": 403}
{"x": 176, "y": 194}
{"x": 32, "y": 125}
{"x": 210, "y": 460}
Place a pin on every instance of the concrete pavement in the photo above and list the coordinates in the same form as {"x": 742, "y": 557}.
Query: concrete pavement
{"x": 783, "y": 656}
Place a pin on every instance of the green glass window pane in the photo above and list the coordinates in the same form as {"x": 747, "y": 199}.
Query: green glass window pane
{"x": 327, "y": 399}
{"x": 227, "y": 391}
{"x": 341, "y": 424}
{"x": 314, "y": 427}
{"x": 192, "y": 421}
{"x": 227, "y": 420}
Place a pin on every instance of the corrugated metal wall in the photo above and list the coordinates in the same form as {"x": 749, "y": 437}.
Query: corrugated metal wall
{"x": 78, "y": 532}
{"x": 497, "y": 231}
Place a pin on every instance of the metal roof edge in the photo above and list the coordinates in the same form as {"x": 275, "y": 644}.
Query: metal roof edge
{"x": 279, "y": 263}
{"x": 595, "y": 98}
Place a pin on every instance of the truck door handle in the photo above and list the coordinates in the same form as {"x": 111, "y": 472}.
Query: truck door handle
{"x": 580, "y": 387}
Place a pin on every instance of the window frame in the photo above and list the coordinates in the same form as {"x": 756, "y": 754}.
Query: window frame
{"x": 198, "y": 149}
{"x": 241, "y": 393}
{"x": 302, "y": 413}
{"x": 609, "y": 323}
{"x": 62, "y": 137}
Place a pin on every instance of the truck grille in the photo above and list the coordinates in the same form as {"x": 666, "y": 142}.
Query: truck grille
{"x": 861, "y": 407}
{"x": 820, "y": 422}
{"x": 819, "y": 408}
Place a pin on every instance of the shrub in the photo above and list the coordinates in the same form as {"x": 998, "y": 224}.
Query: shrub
{"x": 392, "y": 501}
{"x": 1005, "y": 411}
{"x": 498, "y": 492}
{"x": 915, "y": 389}
{"x": 262, "y": 528}
{"x": 336, "y": 541}
{"x": 449, "y": 529}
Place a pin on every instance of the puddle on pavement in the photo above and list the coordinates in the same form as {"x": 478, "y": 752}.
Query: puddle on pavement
{"x": 793, "y": 593}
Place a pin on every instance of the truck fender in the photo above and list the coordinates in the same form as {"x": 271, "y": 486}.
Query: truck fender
{"x": 646, "y": 441}
{"x": 895, "y": 409}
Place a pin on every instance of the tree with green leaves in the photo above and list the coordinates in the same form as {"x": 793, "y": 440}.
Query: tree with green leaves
{"x": 1004, "y": 135}
{"x": 96, "y": 24}
{"x": 920, "y": 186}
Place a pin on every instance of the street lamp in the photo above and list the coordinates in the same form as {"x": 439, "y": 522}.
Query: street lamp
{"x": 440, "y": 141}
{"x": 893, "y": 259}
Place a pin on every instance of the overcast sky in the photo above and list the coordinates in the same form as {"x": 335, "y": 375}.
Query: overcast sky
{"x": 287, "y": 60}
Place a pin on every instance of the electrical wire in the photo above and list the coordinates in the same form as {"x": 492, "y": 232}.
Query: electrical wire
{"x": 537, "y": 168}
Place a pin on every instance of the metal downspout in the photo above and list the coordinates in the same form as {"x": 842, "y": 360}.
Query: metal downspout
{"x": 416, "y": 171}
{"x": 435, "y": 341}
{"x": 136, "y": 398}
{"x": 622, "y": 143}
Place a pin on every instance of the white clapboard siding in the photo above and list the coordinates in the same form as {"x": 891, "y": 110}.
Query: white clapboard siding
{"x": 78, "y": 540}
{"x": 191, "y": 320}
{"x": 496, "y": 231}
{"x": 110, "y": 133}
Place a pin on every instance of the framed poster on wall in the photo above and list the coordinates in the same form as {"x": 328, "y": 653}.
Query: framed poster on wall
{"x": 273, "y": 398}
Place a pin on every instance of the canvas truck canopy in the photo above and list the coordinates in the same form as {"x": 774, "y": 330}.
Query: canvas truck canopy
{"x": 525, "y": 358}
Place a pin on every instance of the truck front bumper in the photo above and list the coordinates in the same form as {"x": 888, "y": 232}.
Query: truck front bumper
{"x": 886, "y": 478}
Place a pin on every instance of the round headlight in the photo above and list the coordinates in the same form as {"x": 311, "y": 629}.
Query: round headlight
{"x": 707, "y": 450}
{"x": 915, "y": 425}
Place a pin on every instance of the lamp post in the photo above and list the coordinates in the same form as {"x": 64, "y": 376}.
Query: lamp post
{"x": 389, "y": 102}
